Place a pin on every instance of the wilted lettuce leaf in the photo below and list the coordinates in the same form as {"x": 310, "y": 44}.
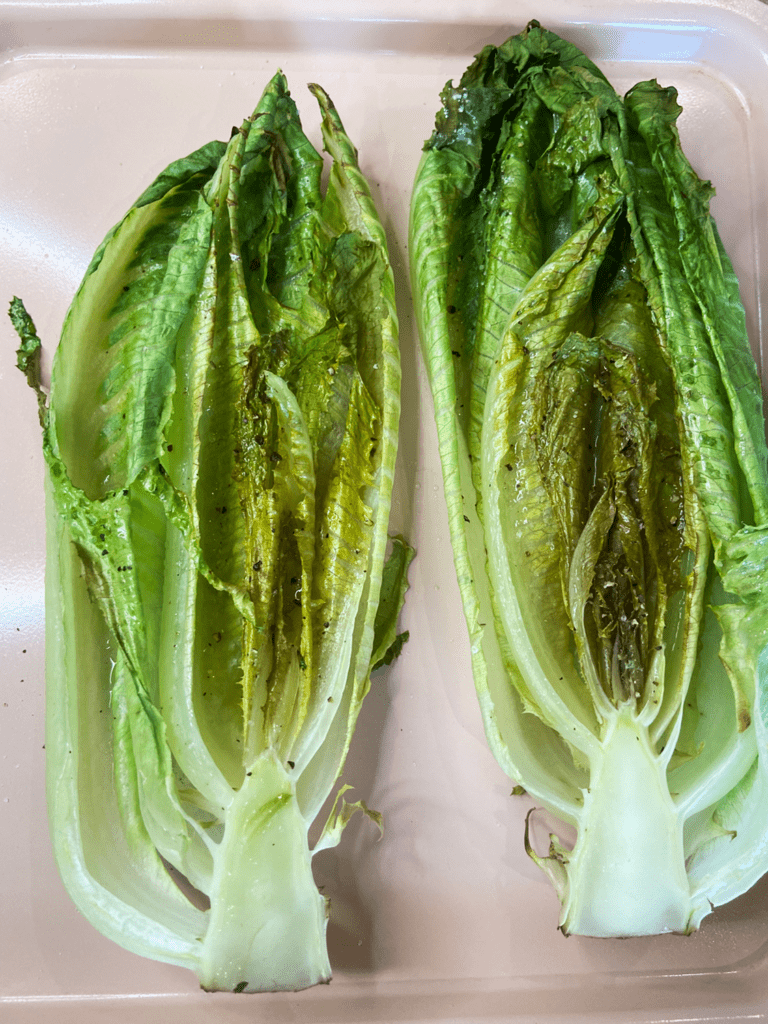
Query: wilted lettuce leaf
{"x": 601, "y": 431}
{"x": 220, "y": 439}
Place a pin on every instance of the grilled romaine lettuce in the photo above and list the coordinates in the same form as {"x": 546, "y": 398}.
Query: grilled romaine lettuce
{"x": 603, "y": 447}
{"x": 220, "y": 439}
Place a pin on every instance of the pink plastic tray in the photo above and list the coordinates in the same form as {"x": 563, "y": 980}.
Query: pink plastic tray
{"x": 445, "y": 918}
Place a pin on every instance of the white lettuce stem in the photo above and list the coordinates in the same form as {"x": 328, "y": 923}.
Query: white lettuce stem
{"x": 626, "y": 874}
{"x": 267, "y": 919}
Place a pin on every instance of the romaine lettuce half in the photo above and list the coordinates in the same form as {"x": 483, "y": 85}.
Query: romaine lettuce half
{"x": 603, "y": 447}
{"x": 220, "y": 438}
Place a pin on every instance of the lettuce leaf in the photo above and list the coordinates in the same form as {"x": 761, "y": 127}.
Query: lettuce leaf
{"x": 220, "y": 438}
{"x": 602, "y": 439}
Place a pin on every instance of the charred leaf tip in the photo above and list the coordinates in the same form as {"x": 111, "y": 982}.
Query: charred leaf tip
{"x": 322, "y": 97}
